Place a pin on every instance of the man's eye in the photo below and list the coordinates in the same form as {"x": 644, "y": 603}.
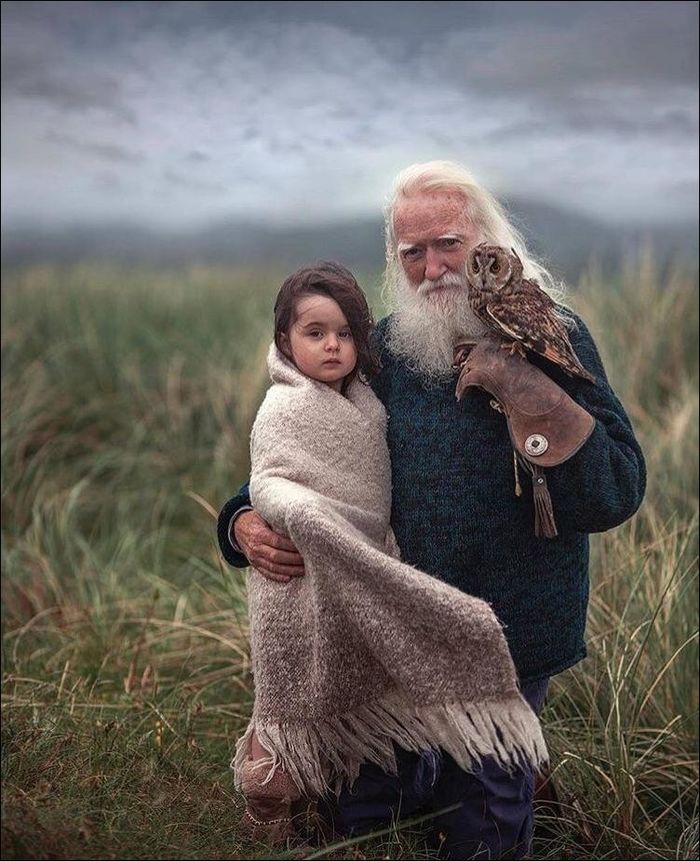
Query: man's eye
{"x": 411, "y": 254}
{"x": 449, "y": 242}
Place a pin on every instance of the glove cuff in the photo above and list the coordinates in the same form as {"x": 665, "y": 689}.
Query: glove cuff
{"x": 546, "y": 425}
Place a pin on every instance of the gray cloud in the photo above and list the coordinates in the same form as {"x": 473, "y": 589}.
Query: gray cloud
{"x": 196, "y": 157}
{"x": 106, "y": 151}
{"x": 668, "y": 122}
{"x": 31, "y": 80}
{"x": 37, "y": 67}
{"x": 291, "y": 110}
{"x": 180, "y": 180}
{"x": 109, "y": 181}
{"x": 607, "y": 41}
{"x": 594, "y": 43}
{"x": 608, "y": 66}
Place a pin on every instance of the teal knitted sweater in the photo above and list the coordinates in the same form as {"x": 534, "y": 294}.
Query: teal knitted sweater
{"x": 456, "y": 516}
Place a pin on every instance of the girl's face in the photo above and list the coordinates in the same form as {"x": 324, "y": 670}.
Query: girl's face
{"x": 320, "y": 342}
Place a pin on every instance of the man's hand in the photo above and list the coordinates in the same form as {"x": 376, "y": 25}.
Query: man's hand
{"x": 273, "y": 555}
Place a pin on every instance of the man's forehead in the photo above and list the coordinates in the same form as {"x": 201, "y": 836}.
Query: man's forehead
{"x": 428, "y": 215}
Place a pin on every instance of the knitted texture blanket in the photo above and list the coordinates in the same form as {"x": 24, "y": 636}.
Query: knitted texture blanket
{"x": 364, "y": 650}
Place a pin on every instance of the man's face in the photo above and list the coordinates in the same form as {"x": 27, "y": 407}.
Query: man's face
{"x": 429, "y": 286}
{"x": 433, "y": 236}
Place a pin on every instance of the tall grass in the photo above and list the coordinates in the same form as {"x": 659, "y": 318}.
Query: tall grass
{"x": 127, "y": 399}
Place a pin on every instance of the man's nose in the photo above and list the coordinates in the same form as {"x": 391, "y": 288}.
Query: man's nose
{"x": 435, "y": 266}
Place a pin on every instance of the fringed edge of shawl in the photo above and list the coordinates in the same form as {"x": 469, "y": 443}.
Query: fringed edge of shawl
{"x": 323, "y": 757}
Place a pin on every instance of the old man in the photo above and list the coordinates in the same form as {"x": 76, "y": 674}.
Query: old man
{"x": 455, "y": 512}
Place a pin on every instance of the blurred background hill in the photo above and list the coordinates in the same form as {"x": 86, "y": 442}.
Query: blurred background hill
{"x": 568, "y": 240}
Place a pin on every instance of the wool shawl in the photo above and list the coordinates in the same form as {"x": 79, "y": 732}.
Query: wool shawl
{"x": 363, "y": 651}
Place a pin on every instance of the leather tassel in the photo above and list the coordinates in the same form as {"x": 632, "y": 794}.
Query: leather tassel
{"x": 545, "y": 527}
{"x": 518, "y": 487}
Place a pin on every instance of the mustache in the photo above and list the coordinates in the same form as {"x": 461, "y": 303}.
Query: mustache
{"x": 451, "y": 279}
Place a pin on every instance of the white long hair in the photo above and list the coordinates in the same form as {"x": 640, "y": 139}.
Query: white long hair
{"x": 482, "y": 208}
{"x": 423, "y": 333}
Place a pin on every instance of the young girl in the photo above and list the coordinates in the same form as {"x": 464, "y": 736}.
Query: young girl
{"x": 363, "y": 653}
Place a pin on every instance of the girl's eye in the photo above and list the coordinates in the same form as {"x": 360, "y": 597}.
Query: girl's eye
{"x": 346, "y": 334}
{"x": 314, "y": 333}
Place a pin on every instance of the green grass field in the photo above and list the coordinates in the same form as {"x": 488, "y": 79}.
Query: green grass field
{"x": 127, "y": 398}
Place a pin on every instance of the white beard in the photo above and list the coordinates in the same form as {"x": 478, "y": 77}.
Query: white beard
{"x": 428, "y": 321}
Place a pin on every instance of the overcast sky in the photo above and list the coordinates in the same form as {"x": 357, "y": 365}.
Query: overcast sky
{"x": 179, "y": 113}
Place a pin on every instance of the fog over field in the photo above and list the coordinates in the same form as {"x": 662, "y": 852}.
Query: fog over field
{"x": 568, "y": 241}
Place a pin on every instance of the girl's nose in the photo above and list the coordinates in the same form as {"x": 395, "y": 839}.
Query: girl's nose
{"x": 332, "y": 343}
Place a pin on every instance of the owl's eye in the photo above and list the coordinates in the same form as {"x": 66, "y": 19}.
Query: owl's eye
{"x": 475, "y": 266}
{"x": 495, "y": 266}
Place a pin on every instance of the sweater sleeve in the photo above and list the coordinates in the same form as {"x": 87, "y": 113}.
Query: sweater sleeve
{"x": 240, "y": 500}
{"x": 603, "y": 484}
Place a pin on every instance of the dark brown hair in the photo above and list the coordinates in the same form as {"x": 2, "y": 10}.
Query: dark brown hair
{"x": 335, "y": 281}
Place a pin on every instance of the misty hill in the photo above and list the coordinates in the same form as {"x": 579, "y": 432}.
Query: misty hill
{"x": 567, "y": 240}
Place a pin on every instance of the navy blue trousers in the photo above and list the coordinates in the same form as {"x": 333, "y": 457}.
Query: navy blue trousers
{"x": 494, "y": 813}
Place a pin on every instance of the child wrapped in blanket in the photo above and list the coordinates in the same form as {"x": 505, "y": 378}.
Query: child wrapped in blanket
{"x": 363, "y": 653}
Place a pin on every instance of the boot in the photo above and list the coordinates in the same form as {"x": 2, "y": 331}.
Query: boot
{"x": 270, "y": 807}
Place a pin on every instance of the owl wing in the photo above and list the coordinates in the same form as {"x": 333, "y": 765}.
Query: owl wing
{"x": 528, "y": 316}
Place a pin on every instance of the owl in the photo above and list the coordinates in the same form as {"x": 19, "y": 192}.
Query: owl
{"x": 518, "y": 308}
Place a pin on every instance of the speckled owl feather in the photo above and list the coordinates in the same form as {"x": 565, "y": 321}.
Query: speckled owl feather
{"x": 518, "y": 309}
{"x": 364, "y": 650}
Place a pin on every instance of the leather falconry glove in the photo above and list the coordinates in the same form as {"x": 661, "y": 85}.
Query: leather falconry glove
{"x": 545, "y": 424}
